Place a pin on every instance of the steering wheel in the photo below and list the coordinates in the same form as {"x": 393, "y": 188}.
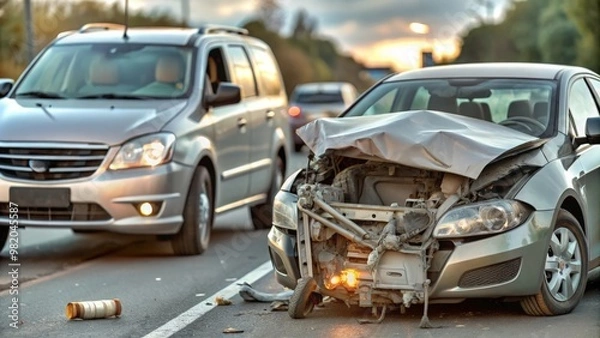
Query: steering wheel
{"x": 528, "y": 123}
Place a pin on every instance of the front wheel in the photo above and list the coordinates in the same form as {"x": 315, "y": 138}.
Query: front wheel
{"x": 3, "y": 236}
{"x": 198, "y": 216}
{"x": 303, "y": 299}
{"x": 565, "y": 271}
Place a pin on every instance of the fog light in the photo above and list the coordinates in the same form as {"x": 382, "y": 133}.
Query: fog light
{"x": 332, "y": 282}
{"x": 350, "y": 278}
{"x": 146, "y": 209}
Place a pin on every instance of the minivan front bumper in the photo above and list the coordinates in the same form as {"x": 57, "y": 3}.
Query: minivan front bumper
{"x": 109, "y": 200}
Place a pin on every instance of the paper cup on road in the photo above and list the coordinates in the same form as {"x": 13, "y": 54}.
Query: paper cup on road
{"x": 94, "y": 309}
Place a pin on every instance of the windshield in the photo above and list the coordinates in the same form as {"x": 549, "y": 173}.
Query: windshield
{"x": 89, "y": 71}
{"x": 520, "y": 104}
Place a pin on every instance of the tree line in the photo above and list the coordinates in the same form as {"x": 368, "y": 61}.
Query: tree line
{"x": 551, "y": 31}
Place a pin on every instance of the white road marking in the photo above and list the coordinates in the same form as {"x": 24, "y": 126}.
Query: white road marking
{"x": 178, "y": 323}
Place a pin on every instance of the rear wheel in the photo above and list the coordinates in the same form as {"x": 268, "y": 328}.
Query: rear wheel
{"x": 565, "y": 271}
{"x": 262, "y": 215}
{"x": 198, "y": 215}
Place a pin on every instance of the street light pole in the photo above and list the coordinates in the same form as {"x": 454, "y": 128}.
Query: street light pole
{"x": 28, "y": 29}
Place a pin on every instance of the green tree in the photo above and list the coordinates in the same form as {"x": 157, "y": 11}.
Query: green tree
{"x": 557, "y": 35}
{"x": 586, "y": 15}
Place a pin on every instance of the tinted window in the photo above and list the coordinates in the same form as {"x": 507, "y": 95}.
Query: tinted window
{"x": 242, "y": 70}
{"x": 319, "y": 97}
{"x": 268, "y": 70}
{"x": 581, "y": 105}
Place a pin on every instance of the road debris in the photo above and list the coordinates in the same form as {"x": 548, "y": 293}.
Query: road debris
{"x": 220, "y": 301}
{"x": 94, "y": 309}
{"x": 250, "y": 294}
{"x": 232, "y": 330}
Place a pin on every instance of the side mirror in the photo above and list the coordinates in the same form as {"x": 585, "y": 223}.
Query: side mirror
{"x": 227, "y": 93}
{"x": 592, "y": 130}
{"x": 5, "y": 86}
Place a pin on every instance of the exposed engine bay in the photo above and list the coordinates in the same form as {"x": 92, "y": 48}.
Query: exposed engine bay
{"x": 365, "y": 231}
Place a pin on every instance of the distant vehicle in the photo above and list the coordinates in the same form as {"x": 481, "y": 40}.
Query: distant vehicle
{"x": 311, "y": 101}
{"x": 144, "y": 131}
{"x": 448, "y": 183}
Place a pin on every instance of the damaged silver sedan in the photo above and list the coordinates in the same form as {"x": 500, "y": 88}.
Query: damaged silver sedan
{"x": 448, "y": 183}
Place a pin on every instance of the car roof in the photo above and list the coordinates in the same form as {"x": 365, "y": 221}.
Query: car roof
{"x": 490, "y": 69}
{"x": 320, "y": 86}
{"x": 113, "y": 33}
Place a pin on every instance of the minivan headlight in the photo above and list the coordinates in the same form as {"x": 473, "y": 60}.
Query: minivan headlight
{"x": 486, "y": 218}
{"x": 285, "y": 210}
{"x": 146, "y": 151}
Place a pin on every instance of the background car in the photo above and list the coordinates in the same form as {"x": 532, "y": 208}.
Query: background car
{"x": 422, "y": 195}
{"x": 144, "y": 131}
{"x": 311, "y": 101}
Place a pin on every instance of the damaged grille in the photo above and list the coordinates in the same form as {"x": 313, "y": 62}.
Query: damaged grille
{"x": 75, "y": 212}
{"x": 490, "y": 275}
{"x": 50, "y": 162}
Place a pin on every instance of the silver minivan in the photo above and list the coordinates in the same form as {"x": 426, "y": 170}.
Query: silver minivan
{"x": 144, "y": 131}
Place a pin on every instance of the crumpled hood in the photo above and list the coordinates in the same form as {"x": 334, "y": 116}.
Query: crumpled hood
{"x": 422, "y": 139}
{"x": 99, "y": 121}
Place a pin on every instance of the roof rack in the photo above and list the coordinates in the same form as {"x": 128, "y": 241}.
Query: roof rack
{"x": 208, "y": 29}
{"x": 100, "y": 26}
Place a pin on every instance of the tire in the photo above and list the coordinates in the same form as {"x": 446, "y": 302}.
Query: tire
{"x": 303, "y": 299}
{"x": 560, "y": 270}
{"x": 262, "y": 214}
{"x": 4, "y": 230}
{"x": 198, "y": 216}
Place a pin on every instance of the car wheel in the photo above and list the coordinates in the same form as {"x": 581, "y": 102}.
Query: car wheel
{"x": 3, "y": 236}
{"x": 198, "y": 216}
{"x": 565, "y": 270}
{"x": 303, "y": 299}
{"x": 262, "y": 215}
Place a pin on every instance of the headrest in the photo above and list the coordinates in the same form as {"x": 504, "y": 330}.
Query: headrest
{"x": 104, "y": 72}
{"x": 169, "y": 69}
{"x": 487, "y": 113}
{"x": 213, "y": 75}
{"x": 519, "y": 108}
{"x": 541, "y": 111}
{"x": 445, "y": 104}
{"x": 470, "y": 109}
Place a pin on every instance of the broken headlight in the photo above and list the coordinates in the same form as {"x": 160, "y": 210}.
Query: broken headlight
{"x": 285, "y": 210}
{"x": 486, "y": 218}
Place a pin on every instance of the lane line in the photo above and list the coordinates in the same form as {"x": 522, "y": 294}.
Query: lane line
{"x": 178, "y": 323}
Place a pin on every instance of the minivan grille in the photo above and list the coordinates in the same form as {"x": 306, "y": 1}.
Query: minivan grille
{"x": 74, "y": 212}
{"x": 50, "y": 162}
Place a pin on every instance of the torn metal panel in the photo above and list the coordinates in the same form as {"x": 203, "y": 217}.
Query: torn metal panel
{"x": 420, "y": 139}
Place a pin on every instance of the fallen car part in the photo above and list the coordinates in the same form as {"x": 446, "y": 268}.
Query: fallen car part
{"x": 249, "y": 294}
{"x": 94, "y": 309}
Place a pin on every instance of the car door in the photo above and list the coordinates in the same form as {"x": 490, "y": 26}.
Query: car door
{"x": 232, "y": 137}
{"x": 582, "y": 104}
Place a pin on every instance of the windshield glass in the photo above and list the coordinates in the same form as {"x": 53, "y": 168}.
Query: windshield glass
{"x": 319, "y": 97}
{"x": 520, "y": 104}
{"x": 119, "y": 71}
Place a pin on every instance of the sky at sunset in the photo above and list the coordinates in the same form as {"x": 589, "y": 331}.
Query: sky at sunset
{"x": 377, "y": 32}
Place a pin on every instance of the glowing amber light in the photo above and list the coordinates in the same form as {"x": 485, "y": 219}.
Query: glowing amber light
{"x": 146, "y": 209}
{"x": 351, "y": 278}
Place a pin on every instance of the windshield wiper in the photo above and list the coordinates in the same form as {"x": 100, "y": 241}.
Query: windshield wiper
{"x": 41, "y": 94}
{"x": 114, "y": 96}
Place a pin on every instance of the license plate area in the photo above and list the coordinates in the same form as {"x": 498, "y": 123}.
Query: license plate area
{"x": 40, "y": 197}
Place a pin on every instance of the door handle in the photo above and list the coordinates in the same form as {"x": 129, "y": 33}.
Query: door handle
{"x": 242, "y": 122}
{"x": 270, "y": 115}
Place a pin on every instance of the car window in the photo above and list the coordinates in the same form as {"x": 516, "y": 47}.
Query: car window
{"x": 242, "y": 70}
{"x": 268, "y": 71}
{"x": 581, "y": 105}
{"x": 596, "y": 86}
{"x": 319, "y": 97}
{"x": 520, "y": 104}
{"x": 93, "y": 70}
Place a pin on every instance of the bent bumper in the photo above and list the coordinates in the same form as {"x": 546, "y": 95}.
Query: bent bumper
{"x": 108, "y": 199}
{"x": 510, "y": 264}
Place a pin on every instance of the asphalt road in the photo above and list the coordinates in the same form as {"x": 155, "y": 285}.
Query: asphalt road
{"x": 164, "y": 295}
